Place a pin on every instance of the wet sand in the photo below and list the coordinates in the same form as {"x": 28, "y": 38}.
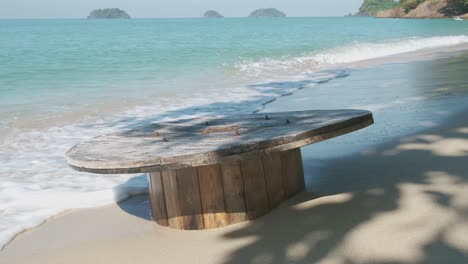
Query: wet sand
{"x": 393, "y": 193}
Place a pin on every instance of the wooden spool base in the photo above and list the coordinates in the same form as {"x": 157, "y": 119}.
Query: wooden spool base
{"x": 223, "y": 194}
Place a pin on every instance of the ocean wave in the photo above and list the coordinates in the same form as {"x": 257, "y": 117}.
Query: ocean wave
{"x": 36, "y": 182}
{"x": 347, "y": 54}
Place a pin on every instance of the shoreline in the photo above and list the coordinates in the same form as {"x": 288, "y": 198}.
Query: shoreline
{"x": 119, "y": 233}
{"x": 329, "y": 182}
{"x": 134, "y": 105}
{"x": 282, "y": 104}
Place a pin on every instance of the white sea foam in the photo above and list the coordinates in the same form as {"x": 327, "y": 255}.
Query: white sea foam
{"x": 36, "y": 182}
{"x": 347, "y": 54}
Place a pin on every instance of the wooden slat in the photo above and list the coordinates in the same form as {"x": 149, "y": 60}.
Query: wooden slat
{"x": 274, "y": 178}
{"x": 300, "y": 175}
{"x": 234, "y": 195}
{"x": 157, "y": 199}
{"x": 255, "y": 188}
{"x": 212, "y": 196}
{"x": 171, "y": 194}
{"x": 292, "y": 182}
{"x": 189, "y": 193}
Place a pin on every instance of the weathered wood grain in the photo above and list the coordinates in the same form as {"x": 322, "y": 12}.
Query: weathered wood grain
{"x": 157, "y": 199}
{"x": 189, "y": 196}
{"x": 255, "y": 188}
{"x": 218, "y": 171}
{"x": 234, "y": 195}
{"x": 219, "y": 195}
{"x": 300, "y": 166}
{"x": 292, "y": 174}
{"x": 212, "y": 196}
{"x": 197, "y": 142}
{"x": 274, "y": 175}
{"x": 171, "y": 195}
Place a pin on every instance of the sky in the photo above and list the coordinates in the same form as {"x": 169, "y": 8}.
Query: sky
{"x": 172, "y": 8}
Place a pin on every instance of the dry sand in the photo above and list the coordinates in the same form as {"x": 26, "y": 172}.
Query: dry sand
{"x": 403, "y": 202}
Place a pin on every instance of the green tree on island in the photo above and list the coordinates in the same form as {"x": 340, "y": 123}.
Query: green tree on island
{"x": 371, "y": 7}
{"x": 451, "y": 7}
{"x": 409, "y": 5}
{"x": 456, "y": 7}
{"x": 108, "y": 13}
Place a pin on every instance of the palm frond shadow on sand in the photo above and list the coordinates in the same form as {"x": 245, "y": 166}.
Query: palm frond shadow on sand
{"x": 406, "y": 202}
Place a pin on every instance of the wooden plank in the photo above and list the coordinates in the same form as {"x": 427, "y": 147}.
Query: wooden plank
{"x": 186, "y": 143}
{"x": 234, "y": 195}
{"x": 274, "y": 178}
{"x": 300, "y": 175}
{"x": 157, "y": 199}
{"x": 171, "y": 194}
{"x": 212, "y": 196}
{"x": 189, "y": 194}
{"x": 255, "y": 188}
{"x": 291, "y": 172}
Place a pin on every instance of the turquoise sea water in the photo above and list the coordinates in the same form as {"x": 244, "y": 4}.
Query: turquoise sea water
{"x": 53, "y": 66}
{"x": 63, "y": 81}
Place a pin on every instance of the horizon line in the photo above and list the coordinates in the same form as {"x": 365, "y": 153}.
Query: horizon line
{"x": 85, "y": 18}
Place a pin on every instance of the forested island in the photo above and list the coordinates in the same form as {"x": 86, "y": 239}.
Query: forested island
{"x": 414, "y": 8}
{"x": 212, "y": 14}
{"x": 267, "y": 12}
{"x": 108, "y": 13}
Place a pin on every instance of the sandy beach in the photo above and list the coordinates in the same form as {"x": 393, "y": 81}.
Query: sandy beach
{"x": 394, "y": 193}
{"x": 408, "y": 205}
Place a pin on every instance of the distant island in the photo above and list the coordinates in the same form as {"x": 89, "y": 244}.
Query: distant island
{"x": 267, "y": 12}
{"x": 108, "y": 13}
{"x": 212, "y": 14}
{"x": 414, "y": 8}
{"x": 372, "y": 7}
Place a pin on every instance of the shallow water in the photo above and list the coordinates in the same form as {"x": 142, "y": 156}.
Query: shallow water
{"x": 63, "y": 81}
{"x": 57, "y": 70}
{"x": 405, "y": 98}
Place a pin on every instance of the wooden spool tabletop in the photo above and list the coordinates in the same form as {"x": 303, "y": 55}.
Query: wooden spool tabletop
{"x": 205, "y": 141}
{"x": 213, "y": 172}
